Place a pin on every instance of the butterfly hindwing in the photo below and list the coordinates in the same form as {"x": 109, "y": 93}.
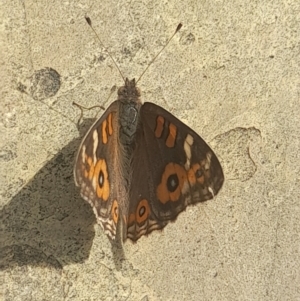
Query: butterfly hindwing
{"x": 173, "y": 167}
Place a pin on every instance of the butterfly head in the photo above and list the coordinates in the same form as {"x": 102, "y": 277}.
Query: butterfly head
{"x": 129, "y": 91}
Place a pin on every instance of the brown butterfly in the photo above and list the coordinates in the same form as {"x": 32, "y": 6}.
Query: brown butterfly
{"x": 140, "y": 166}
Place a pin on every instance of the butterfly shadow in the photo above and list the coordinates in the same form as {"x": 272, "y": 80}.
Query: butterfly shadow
{"x": 47, "y": 222}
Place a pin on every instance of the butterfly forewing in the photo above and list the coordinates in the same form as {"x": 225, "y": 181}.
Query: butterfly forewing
{"x": 96, "y": 171}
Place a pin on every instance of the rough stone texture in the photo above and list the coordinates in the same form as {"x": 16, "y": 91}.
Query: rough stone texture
{"x": 232, "y": 73}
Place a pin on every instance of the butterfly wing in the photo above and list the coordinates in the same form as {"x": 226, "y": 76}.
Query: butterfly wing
{"x": 97, "y": 170}
{"x": 172, "y": 167}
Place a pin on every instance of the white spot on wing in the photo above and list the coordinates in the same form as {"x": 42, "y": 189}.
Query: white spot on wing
{"x": 211, "y": 191}
{"x": 189, "y": 140}
{"x": 208, "y": 161}
{"x": 185, "y": 188}
{"x": 95, "y": 146}
{"x": 83, "y": 153}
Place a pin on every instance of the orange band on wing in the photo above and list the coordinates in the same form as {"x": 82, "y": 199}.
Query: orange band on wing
{"x": 170, "y": 142}
{"x": 160, "y": 121}
{"x": 110, "y": 128}
{"x": 131, "y": 218}
{"x": 104, "y": 134}
{"x": 89, "y": 168}
{"x": 106, "y": 128}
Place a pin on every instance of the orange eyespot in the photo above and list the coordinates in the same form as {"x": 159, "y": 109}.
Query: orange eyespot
{"x": 141, "y": 214}
{"x": 101, "y": 180}
{"x": 196, "y": 173}
{"x": 172, "y": 183}
{"x": 142, "y": 211}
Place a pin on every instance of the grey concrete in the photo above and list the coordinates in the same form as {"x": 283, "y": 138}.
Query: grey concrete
{"x": 232, "y": 74}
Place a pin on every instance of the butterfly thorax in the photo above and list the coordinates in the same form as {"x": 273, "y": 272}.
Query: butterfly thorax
{"x": 129, "y": 107}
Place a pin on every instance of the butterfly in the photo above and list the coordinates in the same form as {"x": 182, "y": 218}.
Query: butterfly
{"x": 139, "y": 166}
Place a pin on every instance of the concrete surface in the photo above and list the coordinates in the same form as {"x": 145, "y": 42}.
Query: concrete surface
{"x": 232, "y": 73}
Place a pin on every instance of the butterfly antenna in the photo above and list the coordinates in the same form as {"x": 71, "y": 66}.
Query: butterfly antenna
{"x": 88, "y": 20}
{"x": 177, "y": 29}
